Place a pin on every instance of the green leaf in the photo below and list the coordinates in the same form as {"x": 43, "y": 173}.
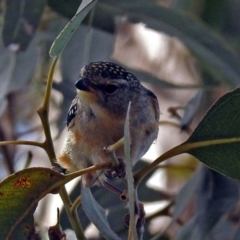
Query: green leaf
{"x": 96, "y": 214}
{"x": 71, "y": 27}
{"x": 19, "y": 196}
{"x": 20, "y": 22}
{"x": 216, "y": 140}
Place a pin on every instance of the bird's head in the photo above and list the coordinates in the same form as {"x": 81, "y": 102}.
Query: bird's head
{"x": 107, "y": 85}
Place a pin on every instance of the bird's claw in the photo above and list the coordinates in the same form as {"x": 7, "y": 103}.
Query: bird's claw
{"x": 117, "y": 171}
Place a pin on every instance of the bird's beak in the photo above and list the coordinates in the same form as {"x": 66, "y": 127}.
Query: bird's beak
{"x": 85, "y": 89}
{"x": 83, "y": 84}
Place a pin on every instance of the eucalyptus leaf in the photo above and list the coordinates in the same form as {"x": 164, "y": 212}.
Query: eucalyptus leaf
{"x": 129, "y": 174}
{"x": 19, "y": 197}
{"x": 71, "y": 27}
{"x": 96, "y": 214}
{"x": 220, "y": 130}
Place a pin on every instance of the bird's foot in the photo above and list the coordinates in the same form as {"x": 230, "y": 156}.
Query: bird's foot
{"x": 116, "y": 171}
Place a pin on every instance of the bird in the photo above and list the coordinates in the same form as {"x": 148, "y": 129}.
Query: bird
{"x": 97, "y": 116}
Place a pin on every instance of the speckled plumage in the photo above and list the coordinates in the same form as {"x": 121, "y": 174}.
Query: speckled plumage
{"x": 97, "y": 115}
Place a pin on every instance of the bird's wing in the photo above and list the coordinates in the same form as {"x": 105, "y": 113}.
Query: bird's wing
{"x": 72, "y": 113}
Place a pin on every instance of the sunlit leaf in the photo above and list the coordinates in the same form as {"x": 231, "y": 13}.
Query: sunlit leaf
{"x": 71, "y": 27}
{"x": 96, "y": 214}
{"x": 20, "y": 22}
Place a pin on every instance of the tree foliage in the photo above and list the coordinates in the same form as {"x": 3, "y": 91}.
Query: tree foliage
{"x": 32, "y": 32}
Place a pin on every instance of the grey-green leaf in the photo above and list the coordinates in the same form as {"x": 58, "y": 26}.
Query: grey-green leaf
{"x": 129, "y": 173}
{"x": 71, "y": 27}
{"x": 96, "y": 214}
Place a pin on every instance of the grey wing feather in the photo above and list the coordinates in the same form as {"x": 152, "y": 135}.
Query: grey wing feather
{"x": 154, "y": 102}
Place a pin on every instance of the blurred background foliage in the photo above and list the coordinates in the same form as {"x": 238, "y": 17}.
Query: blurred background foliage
{"x": 186, "y": 51}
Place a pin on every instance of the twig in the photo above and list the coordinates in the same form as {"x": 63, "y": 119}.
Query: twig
{"x": 49, "y": 148}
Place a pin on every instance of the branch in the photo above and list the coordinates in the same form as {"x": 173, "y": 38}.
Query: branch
{"x": 43, "y": 112}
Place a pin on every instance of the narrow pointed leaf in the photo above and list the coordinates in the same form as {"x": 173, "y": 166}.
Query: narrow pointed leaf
{"x": 129, "y": 174}
{"x": 71, "y": 27}
{"x": 96, "y": 214}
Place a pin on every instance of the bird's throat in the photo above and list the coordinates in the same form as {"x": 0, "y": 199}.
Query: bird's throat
{"x": 86, "y": 96}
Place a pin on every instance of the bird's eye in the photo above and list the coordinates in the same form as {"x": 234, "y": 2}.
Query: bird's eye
{"x": 110, "y": 88}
